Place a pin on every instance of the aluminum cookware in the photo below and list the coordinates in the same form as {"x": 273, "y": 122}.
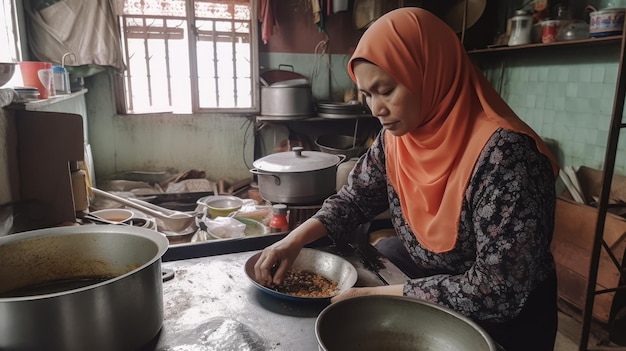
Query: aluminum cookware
{"x": 606, "y": 22}
{"x": 297, "y": 176}
{"x": 285, "y": 93}
{"x": 327, "y": 265}
{"x": 378, "y": 322}
{"x": 89, "y": 287}
{"x": 292, "y": 99}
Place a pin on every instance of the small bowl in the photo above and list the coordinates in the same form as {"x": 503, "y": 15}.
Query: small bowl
{"x": 220, "y": 205}
{"x": 117, "y": 215}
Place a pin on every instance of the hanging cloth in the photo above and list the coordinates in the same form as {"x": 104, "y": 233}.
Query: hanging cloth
{"x": 267, "y": 19}
{"x": 88, "y": 29}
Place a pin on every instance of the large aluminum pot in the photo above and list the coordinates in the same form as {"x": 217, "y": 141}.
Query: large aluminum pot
{"x": 293, "y": 98}
{"x": 379, "y": 322}
{"x": 297, "y": 176}
{"x": 91, "y": 287}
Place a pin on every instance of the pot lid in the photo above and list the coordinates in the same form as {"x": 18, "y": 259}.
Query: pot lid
{"x": 301, "y": 82}
{"x": 296, "y": 160}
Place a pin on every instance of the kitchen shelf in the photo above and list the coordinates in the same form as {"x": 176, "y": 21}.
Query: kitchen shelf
{"x": 308, "y": 118}
{"x": 611, "y": 40}
{"x": 37, "y": 105}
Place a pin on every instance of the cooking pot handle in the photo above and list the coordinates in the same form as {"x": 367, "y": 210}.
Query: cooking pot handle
{"x": 342, "y": 158}
{"x": 256, "y": 171}
{"x": 280, "y": 66}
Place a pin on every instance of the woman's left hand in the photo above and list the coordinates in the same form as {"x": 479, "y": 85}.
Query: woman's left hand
{"x": 395, "y": 290}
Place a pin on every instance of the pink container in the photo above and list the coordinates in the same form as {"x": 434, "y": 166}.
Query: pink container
{"x": 31, "y": 77}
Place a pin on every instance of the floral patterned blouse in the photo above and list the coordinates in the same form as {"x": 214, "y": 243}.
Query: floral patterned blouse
{"x": 503, "y": 248}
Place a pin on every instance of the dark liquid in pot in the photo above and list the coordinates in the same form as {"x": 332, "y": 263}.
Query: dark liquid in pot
{"x": 52, "y": 287}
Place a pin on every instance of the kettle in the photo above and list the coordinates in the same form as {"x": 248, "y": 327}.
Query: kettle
{"x": 521, "y": 25}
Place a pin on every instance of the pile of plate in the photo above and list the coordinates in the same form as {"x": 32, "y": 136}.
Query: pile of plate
{"x": 25, "y": 94}
{"x": 350, "y": 109}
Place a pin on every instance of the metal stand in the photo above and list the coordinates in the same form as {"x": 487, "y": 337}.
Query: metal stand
{"x": 609, "y": 167}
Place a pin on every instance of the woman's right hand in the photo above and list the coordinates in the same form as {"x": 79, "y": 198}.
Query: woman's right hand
{"x": 276, "y": 259}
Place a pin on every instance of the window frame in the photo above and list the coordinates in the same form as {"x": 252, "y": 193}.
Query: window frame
{"x": 13, "y": 29}
{"x": 193, "y": 39}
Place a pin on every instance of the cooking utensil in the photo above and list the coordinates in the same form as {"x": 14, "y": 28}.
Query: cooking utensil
{"x": 297, "y": 176}
{"x": 287, "y": 100}
{"x": 284, "y": 72}
{"x": 339, "y": 145}
{"x": 114, "y": 215}
{"x": 97, "y": 219}
{"x": 605, "y": 22}
{"x": 220, "y": 205}
{"x": 91, "y": 287}
{"x": 163, "y": 210}
{"x": 253, "y": 228}
{"x": 175, "y": 222}
{"x": 455, "y": 13}
{"x": 328, "y": 265}
{"x": 378, "y": 322}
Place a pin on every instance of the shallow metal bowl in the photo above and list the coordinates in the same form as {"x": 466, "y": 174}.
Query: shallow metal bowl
{"x": 398, "y": 323}
{"x": 328, "y": 265}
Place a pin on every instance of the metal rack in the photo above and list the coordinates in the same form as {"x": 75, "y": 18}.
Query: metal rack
{"x": 609, "y": 167}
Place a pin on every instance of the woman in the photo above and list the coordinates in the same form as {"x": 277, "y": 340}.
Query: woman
{"x": 469, "y": 186}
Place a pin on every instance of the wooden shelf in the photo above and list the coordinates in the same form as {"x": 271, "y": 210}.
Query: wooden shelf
{"x": 616, "y": 39}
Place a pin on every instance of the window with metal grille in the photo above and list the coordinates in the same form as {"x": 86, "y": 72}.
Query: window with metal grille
{"x": 189, "y": 56}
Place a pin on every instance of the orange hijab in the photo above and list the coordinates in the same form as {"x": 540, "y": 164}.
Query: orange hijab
{"x": 430, "y": 166}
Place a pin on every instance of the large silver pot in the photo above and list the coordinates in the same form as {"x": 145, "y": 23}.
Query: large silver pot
{"x": 297, "y": 176}
{"x": 87, "y": 287}
{"x": 379, "y": 322}
{"x": 292, "y": 98}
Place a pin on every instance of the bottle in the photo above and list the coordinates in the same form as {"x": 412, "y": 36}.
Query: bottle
{"x": 278, "y": 223}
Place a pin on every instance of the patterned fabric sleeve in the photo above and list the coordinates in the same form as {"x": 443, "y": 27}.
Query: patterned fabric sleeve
{"x": 506, "y": 224}
{"x": 363, "y": 198}
{"x": 503, "y": 247}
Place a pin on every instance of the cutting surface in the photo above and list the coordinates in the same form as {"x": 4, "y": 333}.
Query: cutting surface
{"x": 210, "y": 304}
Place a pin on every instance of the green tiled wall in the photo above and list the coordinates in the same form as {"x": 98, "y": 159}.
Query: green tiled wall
{"x": 565, "y": 94}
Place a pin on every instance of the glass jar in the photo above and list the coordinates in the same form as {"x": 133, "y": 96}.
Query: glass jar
{"x": 279, "y": 222}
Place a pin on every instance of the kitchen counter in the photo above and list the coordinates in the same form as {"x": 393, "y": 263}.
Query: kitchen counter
{"x": 210, "y": 304}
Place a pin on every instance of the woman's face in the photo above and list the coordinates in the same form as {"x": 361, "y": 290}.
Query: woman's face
{"x": 395, "y": 106}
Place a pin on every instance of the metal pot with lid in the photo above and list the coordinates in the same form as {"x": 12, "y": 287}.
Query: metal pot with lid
{"x": 286, "y": 94}
{"x": 90, "y": 287}
{"x": 297, "y": 176}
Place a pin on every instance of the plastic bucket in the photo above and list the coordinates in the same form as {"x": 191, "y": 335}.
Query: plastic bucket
{"x": 30, "y": 76}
